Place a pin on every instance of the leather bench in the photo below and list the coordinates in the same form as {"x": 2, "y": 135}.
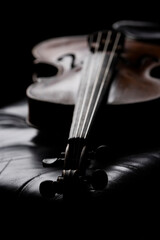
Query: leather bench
{"x": 22, "y": 149}
{"x": 130, "y": 202}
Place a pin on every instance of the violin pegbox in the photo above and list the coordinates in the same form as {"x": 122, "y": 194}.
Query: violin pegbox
{"x": 76, "y": 183}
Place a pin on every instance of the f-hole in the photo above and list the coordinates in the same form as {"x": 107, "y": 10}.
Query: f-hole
{"x": 155, "y": 72}
{"x": 73, "y": 58}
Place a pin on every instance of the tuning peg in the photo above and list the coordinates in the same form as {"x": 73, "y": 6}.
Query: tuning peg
{"x": 99, "y": 179}
{"x": 53, "y": 162}
{"x": 104, "y": 154}
{"x": 71, "y": 183}
{"x": 49, "y": 188}
{"x": 49, "y": 162}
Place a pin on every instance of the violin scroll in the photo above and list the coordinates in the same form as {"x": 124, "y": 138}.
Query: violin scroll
{"x": 76, "y": 183}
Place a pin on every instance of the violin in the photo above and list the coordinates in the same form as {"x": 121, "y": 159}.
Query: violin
{"x": 103, "y": 88}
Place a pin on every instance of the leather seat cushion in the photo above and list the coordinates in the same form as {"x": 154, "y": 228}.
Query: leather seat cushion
{"x": 22, "y": 149}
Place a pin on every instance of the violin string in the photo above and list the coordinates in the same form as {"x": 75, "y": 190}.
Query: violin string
{"x": 83, "y": 91}
{"x": 96, "y": 80}
{"x": 89, "y": 83}
{"x": 93, "y": 80}
{"x": 82, "y": 97}
{"x": 105, "y": 82}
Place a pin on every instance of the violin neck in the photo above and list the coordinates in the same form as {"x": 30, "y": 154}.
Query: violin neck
{"x": 94, "y": 86}
{"x": 105, "y": 47}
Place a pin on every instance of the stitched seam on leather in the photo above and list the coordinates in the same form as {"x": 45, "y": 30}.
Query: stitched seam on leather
{"x": 20, "y": 190}
{"x": 24, "y": 185}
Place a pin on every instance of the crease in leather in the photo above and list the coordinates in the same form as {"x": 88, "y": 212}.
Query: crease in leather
{"x": 6, "y": 165}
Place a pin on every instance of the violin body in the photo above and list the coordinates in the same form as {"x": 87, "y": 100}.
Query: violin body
{"x": 132, "y": 106}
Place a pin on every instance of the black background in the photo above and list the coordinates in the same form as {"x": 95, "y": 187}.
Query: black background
{"x": 24, "y": 25}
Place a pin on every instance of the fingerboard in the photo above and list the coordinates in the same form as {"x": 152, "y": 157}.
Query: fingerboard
{"x": 105, "y": 47}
